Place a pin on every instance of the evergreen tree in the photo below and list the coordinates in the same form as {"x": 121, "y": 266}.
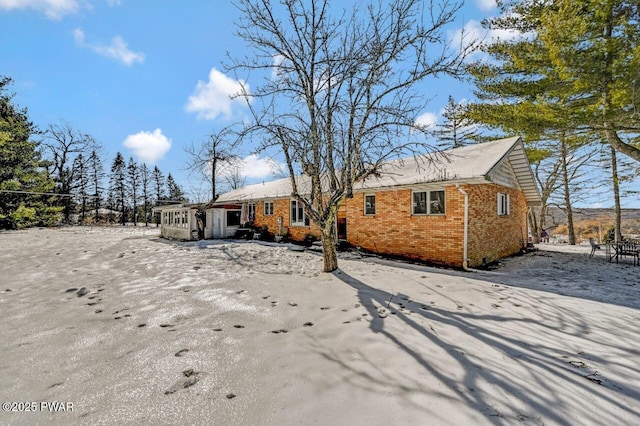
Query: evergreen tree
{"x": 81, "y": 186}
{"x": 176, "y": 194}
{"x": 133, "y": 185}
{"x": 158, "y": 184}
{"x": 21, "y": 168}
{"x": 522, "y": 91}
{"x": 118, "y": 186}
{"x": 145, "y": 181}
{"x": 458, "y": 129}
{"x": 96, "y": 173}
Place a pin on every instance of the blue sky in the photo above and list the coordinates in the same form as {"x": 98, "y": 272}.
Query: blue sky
{"x": 145, "y": 77}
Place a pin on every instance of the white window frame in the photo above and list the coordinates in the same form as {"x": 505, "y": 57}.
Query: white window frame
{"x": 299, "y": 208}
{"x": 504, "y": 204}
{"x": 365, "y": 204}
{"x": 251, "y": 212}
{"x": 268, "y": 208}
{"x": 429, "y": 201}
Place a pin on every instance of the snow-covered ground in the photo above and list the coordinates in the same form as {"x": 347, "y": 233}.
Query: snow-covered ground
{"x": 243, "y": 333}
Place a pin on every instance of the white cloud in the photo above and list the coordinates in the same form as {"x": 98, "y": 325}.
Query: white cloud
{"x": 428, "y": 120}
{"x": 117, "y": 50}
{"x": 114, "y": 2}
{"x": 253, "y": 167}
{"x": 214, "y": 98}
{"x": 148, "y": 146}
{"x": 277, "y": 62}
{"x": 473, "y": 32}
{"x": 53, "y": 9}
{"x": 259, "y": 168}
{"x": 486, "y": 5}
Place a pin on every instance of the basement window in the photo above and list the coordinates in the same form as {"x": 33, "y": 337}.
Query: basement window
{"x": 428, "y": 203}
{"x": 504, "y": 204}
{"x": 369, "y": 204}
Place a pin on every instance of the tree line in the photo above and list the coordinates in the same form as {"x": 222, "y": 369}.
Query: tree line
{"x": 57, "y": 175}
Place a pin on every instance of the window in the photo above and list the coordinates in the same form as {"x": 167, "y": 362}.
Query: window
{"x": 504, "y": 204}
{"x": 369, "y": 204}
{"x": 298, "y": 217}
{"x": 428, "y": 202}
{"x": 233, "y": 217}
{"x": 251, "y": 212}
{"x": 268, "y": 208}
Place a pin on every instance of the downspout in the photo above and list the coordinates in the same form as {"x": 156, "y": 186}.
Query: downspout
{"x": 465, "y": 239}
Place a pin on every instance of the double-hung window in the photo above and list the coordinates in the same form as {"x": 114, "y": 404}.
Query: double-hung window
{"x": 298, "y": 217}
{"x": 504, "y": 204}
{"x": 268, "y": 208}
{"x": 428, "y": 202}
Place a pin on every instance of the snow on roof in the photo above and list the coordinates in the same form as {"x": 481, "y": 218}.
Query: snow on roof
{"x": 470, "y": 163}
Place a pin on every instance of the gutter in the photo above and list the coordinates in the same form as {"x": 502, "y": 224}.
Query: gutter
{"x": 465, "y": 255}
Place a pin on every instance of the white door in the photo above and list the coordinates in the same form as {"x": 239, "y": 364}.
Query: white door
{"x": 218, "y": 223}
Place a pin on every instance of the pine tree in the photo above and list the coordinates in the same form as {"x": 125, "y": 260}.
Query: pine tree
{"x": 522, "y": 91}
{"x": 158, "y": 184}
{"x": 81, "y": 184}
{"x": 118, "y": 186}
{"x": 96, "y": 174}
{"x": 176, "y": 194}
{"x": 145, "y": 180}
{"x": 21, "y": 167}
{"x": 133, "y": 184}
{"x": 458, "y": 129}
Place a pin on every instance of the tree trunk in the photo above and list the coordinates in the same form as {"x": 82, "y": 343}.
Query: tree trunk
{"x": 533, "y": 225}
{"x": 329, "y": 243}
{"x": 567, "y": 193}
{"x": 214, "y": 166}
{"x": 616, "y": 194}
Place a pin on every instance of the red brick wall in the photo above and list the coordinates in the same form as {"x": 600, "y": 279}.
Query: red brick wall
{"x": 282, "y": 207}
{"x": 491, "y": 236}
{"x": 394, "y": 230}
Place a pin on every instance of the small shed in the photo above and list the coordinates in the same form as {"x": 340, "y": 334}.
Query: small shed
{"x": 178, "y": 221}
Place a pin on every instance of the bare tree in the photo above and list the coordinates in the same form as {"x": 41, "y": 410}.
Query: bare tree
{"x": 233, "y": 176}
{"x": 207, "y": 158}
{"x": 63, "y": 144}
{"x": 342, "y": 97}
{"x": 546, "y": 170}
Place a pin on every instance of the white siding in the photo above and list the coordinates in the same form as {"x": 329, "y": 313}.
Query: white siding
{"x": 505, "y": 176}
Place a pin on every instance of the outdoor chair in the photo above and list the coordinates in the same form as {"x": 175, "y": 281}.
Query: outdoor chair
{"x": 594, "y": 247}
{"x": 629, "y": 248}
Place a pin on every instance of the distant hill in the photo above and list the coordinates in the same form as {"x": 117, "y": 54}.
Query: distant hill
{"x": 556, "y": 216}
{"x": 592, "y": 223}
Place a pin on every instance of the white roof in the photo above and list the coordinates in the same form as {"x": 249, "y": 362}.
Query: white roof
{"x": 469, "y": 164}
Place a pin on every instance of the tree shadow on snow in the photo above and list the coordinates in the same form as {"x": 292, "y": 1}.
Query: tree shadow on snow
{"x": 547, "y": 366}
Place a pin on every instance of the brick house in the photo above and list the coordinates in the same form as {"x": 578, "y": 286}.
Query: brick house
{"x": 470, "y": 205}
